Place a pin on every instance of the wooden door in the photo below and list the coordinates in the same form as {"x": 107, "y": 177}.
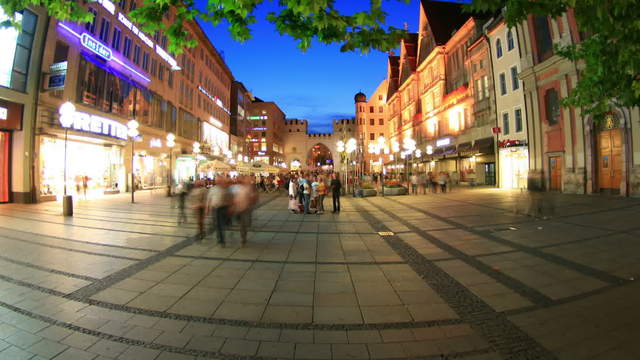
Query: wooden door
{"x": 610, "y": 160}
{"x": 555, "y": 173}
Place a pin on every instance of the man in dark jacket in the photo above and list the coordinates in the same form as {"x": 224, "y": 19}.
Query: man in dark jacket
{"x": 336, "y": 187}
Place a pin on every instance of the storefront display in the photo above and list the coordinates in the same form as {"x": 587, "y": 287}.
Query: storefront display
{"x": 514, "y": 167}
{"x": 4, "y": 166}
{"x": 92, "y": 169}
{"x": 216, "y": 138}
{"x": 150, "y": 171}
{"x": 185, "y": 169}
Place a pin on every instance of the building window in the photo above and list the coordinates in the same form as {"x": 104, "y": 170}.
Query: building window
{"x": 552, "y": 106}
{"x": 518, "y": 117}
{"x": 479, "y": 93}
{"x": 115, "y": 40}
{"x": 372, "y": 136}
{"x": 91, "y": 26}
{"x": 145, "y": 61}
{"x": 161, "y": 72}
{"x": 123, "y": 4}
{"x": 136, "y": 55}
{"x": 170, "y": 79}
{"x": 133, "y": 5}
{"x": 544, "y": 43}
{"x": 371, "y": 109}
{"x": 515, "y": 83}
{"x": 485, "y": 83}
{"x": 14, "y": 66}
{"x": 380, "y": 97}
{"x": 372, "y": 122}
{"x": 510, "y": 43}
{"x": 505, "y": 123}
{"x": 126, "y": 50}
{"x": 104, "y": 30}
{"x": 498, "y": 48}
{"x": 503, "y": 84}
{"x": 380, "y": 121}
{"x": 380, "y": 109}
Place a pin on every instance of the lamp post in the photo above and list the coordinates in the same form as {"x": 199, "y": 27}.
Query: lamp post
{"x": 133, "y": 132}
{"x": 170, "y": 143}
{"x": 350, "y": 147}
{"x": 66, "y": 112}
{"x": 409, "y": 146}
{"x": 196, "y": 151}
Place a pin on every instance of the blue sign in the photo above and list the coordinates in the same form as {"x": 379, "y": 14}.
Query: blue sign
{"x": 95, "y": 46}
{"x": 56, "y": 81}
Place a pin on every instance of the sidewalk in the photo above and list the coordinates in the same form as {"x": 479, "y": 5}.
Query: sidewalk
{"x": 461, "y": 275}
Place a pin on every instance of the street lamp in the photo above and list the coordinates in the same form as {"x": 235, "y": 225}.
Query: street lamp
{"x": 66, "y": 112}
{"x": 409, "y": 146}
{"x": 170, "y": 144}
{"x": 196, "y": 150}
{"x": 132, "y": 131}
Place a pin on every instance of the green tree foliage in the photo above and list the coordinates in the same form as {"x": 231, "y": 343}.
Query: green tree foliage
{"x": 608, "y": 57}
{"x": 304, "y": 20}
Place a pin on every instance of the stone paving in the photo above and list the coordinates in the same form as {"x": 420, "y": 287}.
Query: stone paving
{"x": 439, "y": 276}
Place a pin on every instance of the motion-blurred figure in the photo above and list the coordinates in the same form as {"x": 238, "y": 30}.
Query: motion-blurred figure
{"x": 218, "y": 205}
{"x": 198, "y": 201}
{"x": 245, "y": 197}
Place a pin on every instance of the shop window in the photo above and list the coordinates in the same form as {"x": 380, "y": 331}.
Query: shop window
{"x": 544, "y": 43}
{"x": 505, "y": 123}
{"x": 503, "y": 84}
{"x": 115, "y": 39}
{"x": 518, "y": 118}
{"x": 552, "y": 106}
{"x": 91, "y": 26}
{"x": 126, "y": 50}
{"x": 105, "y": 27}
{"x": 510, "y": 42}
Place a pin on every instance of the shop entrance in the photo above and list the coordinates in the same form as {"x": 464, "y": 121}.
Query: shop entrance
{"x": 490, "y": 173}
{"x": 555, "y": 173}
{"x": 4, "y": 166}
{"x": 609, "y": 146}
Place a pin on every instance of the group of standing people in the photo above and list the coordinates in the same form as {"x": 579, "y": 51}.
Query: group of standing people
{"x": 226, "y": 199}
{"x": 307, "y": 192}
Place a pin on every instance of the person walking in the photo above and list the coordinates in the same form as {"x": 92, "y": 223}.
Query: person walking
{"x": 314, "y": 194}
{"x": 336, "y": 187}
{"x": 423, "y": 180}
{"x": 218, "y": 206}
{"x": 442, "y": 180}
{"x": 244, "y": 199}
{"x": 414, "y": 184}
{"x": 306, "y": 195}
{"x": 181, "y": 190}
{"x": 198, "y": 201}
{"x": 322, "y": 192}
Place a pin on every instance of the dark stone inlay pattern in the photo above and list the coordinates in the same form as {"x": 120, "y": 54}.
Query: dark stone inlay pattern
{"x": 580, "y": 268}
{"x": 292, "y": 262}
{"x": 513, "y": 284}
{"x": 502, "y": 334}
{"x": 187, "y": 351}
{"x": 49, "y": 270}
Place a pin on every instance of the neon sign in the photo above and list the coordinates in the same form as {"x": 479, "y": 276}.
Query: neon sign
{"x": 443, "y": 142}
{"x": 261, "y": 117}
{"x": 95, "y": 46}
{"x": 145, "y": 39}
{"x": 94, "y": 124}
{"x": 216, "y": 100}
{"x": 108, "y": 5}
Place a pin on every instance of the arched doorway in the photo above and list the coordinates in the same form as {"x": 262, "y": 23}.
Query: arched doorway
{"x": 609, "y": 155}
{"x": 320, "y": 157}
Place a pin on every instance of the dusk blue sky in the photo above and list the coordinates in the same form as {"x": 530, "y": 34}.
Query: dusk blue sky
{"x": 317, "y": 85}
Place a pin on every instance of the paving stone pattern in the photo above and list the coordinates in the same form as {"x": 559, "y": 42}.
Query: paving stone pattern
{"x": 439, "y": 276}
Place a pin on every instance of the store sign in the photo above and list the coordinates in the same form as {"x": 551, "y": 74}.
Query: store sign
{"x": 3, "y": 113}
{"x": 95, "y": 46}
{"x": 57, "y": 76}
{"x": 10, "y": 116}
{"x": 496, "y": 130}
{"x": 262, "y": 117}
{"x": 259, "y": 129}
{"x": 111, "y": 7}
{"x": 216, "y": 100}
{"x": 129, "y": 25}
{"x": 443, "y": 142}
{"x": 511, "y": 143}
{"x": 155, "y": 143}
{"x": 215, "y": 122}
{"x": 94, "y": 124}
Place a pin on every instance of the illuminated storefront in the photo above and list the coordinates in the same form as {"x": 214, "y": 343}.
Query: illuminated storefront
{"x": 4, "y": 166}
{"x": 514, "y": 165}
{"x": 150, "y": 171}
{"x": 98, "y": 165}
{"x": 216, "y": 138}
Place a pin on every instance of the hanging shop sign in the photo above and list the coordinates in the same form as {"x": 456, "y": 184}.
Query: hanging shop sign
{"x": 94, "y": 124}
{"x": 155, "y": 143}
{"x": 216, "y": 100}
{"x": 57, "y": 75}
{"x": 511, "y": 143}
{"x": 10, "y": 116}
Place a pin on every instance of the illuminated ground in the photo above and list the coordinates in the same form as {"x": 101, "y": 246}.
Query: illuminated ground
{"x": 459, "y": 274}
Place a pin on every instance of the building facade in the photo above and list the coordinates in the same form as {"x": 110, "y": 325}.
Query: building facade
{"x": 19, "y": 84}
{"x": 240, "y": 100}
{"x": 266, "y": 132}
{"x": 102, "y": 74}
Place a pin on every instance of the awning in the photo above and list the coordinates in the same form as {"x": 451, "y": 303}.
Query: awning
{"x": 467, "y": 149}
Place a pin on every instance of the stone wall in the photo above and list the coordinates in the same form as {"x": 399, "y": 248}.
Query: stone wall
{"x": 634, "y": 181}
{"x": 574, "y": 181}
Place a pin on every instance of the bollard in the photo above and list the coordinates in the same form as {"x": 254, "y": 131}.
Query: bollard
{"x": 67, "y": 205}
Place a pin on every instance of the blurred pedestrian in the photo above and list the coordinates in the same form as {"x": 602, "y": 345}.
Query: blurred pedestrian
{"x": 218, "y": 205}
{"x": 181, "y": 191}
{"x": 198, "y": 201}
{"x": 245, "y": 197}
{"x": 314, "y": 194}
{"x": 336, "y": 187}
{"x": 442, "y": 181}
{"x": 322, "y": 193}
{"x": 414, "y": 184}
